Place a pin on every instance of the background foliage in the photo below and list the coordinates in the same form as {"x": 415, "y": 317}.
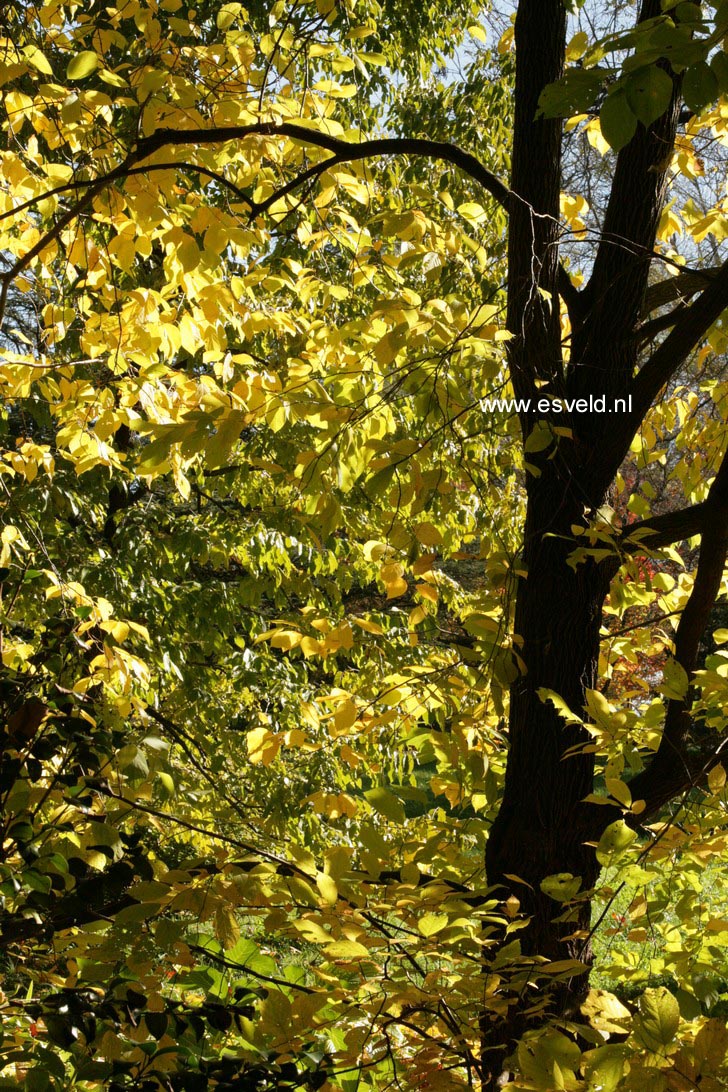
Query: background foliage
{"x": 259, "y": 547}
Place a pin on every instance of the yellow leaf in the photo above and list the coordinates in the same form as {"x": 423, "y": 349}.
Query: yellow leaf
{"x": 619, "y": 791}
{"x": 429, "y": 924}
{"x": 38, "y": 59}
{"x": 285, "y": 639}
{"x": 336, "y": 90}
{"x": 427, "y": 592}
{"x": 263, "y": 746}
{"x": 603, "y": 1010}
{"x": 346, "y": 949}
{"x": 396, "y": 588}
{"x": 505, "y": 45}
{"x": 311, "y": 647}
{"x": 227, "y": 15}
{"x": 416, "y": 615}
{"x": 327, "y": 886}
{"x": 391, "y": 572}
{"x": 367, "y": 626}
{"x": 226, "y": 926}
{"x": 428, "y": 534}
{"x": 82, "y": 65}
{"x": 472, "y": 211}
{"x": 345, "y": 716}
{"x": 716, "y": 778}
{"x": 577, "y": 46}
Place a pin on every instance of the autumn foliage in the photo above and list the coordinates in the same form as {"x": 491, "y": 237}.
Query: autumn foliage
{"x": 355, "y": 736}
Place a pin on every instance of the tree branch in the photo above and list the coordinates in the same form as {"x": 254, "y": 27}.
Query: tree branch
{"x": 646, "y": 331}
{"x": 68, "y": 187}
{"x": 342, "y": 150}
{"x": 680, "y": 287}
{"x": 672, "y": 769}
{"x": 652, "y": 534}
{"x": 687, "y": 332}
{"x": 222, "y": 961}
{"x": 685, "y": 335}
{"x": 603, "y": 350}
{"x": 534, "y": 351}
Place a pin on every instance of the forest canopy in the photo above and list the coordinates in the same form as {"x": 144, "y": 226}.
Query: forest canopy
{"x": 364, "y": 509}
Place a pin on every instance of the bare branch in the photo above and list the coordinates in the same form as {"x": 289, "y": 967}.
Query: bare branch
{"x": 687, "y": 332}
{"x": 679, "y": 288}
{"x": 649, "y": 330}
{"x": 652, "y": 534}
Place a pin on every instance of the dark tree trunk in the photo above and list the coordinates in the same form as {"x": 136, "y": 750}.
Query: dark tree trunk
{"x": 544, "y": 825}
{"x": 540, "y": 828}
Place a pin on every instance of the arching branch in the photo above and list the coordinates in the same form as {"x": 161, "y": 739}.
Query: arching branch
{"x": 342, "y": 151}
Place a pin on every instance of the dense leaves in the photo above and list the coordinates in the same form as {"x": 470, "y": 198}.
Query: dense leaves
{"x": 263, "y": 533}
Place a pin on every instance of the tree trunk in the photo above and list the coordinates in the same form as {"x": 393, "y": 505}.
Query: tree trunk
{"x": 540, "y": 828}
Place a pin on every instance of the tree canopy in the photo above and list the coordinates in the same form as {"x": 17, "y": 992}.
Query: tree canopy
{"x": 364, "y": 529}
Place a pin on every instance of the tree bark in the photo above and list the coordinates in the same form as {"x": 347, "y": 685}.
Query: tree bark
{"x": 544, "y": 824}
{"x": 539, "y": 830}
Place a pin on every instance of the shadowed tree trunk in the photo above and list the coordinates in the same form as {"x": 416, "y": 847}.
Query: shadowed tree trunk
{"x": 544, "y": 823}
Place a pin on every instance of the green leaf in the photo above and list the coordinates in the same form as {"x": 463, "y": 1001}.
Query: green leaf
{"x": 700, "y": 86}
{"x": 561, "y": 887}
{"x": 103, "y": 834}
{"x": 675, "y": 682}
{"x": 386, "y": 804}
{"x": 614, "y": 841}
{"x": 719, "y": 66}
{"x": 648, "y": 91}
{"x": 347, "y": 949}
{"x": 617, "y": 120}
{"x": 658, "y": 1019}
{"x": 37, "y": 1080}
{"x": 574, "y": 93}
{"x": 166, "y": 784}
{"x": 482, "y": 625}
{"x": 132, "y": 761}
{"x": 603, "y": 1067}
{"x": 137, "y": 913}
{"x": 539, "y": 438}
{"x": 429, "y": 924}
{"x": 688, "y": 12}
{"x": 82, "y": 65}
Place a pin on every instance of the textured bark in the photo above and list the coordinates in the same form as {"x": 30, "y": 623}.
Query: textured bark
{"x": 605, "y": 347}
{"x": 533, "y": 253}
{"x": 543, "y": 824}
{"x": 539, "y": 830}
